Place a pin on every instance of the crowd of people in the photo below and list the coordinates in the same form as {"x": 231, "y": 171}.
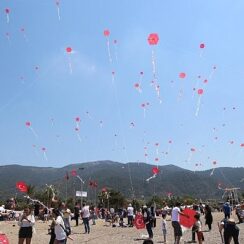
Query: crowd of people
{"x": 61, "y": 217}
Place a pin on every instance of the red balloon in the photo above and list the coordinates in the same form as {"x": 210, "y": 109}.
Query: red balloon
{"x": 77, "y": 119}
{"x": 200, "y": 91}
{"x": 7, "y": 10}
{"x": 68, "y": 49}
{"x": 28, "y": 123}
{"x": 21, "y": 186}
{"x": 73, "y": 172}
{"x": 104, "y": 189}
{"x": 214, "y": 162}
{"x": 182, "y": 75}
{"x": 202, "y": 45}
{"x": 242, "y": 145}
{"x": 193, "y": 149}
{"x": 156, "y": 144}
{"x": 153, "y": 39}
{"x": 155, "y": 170}
{"x": 137, "y": 85}
{"x": 106, "y": 32}
{"x": 43, "y": 149}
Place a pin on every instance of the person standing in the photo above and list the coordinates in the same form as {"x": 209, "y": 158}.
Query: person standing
{"x": 77, "y": 213}
{"x": 198, "y": 228}
{"x": 164, "y": 226}
{"x": 26, "y": 223}
{"x": 147, "y": 217}
{"x": 208, "y": 217}
{"x": 130, "y": 214}
{"x": 85, "y": 213}
{"x": 66, "y": 219}
{"x": 227, "y": 210}
{"x": 175, "y": 217}
{"x": 59, "y": 228}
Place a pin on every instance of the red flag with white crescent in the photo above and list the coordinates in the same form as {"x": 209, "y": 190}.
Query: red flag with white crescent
{"x": 139, "y": 222}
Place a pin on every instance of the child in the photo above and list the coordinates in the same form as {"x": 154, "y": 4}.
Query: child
{"x": 164, "y": 226}
{"x": 198, "y": 228}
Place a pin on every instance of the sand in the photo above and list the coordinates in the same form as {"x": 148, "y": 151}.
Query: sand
{"x": 106, "y": 234}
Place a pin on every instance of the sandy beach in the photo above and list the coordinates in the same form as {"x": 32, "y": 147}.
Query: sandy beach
{"x": 103, "y": 233}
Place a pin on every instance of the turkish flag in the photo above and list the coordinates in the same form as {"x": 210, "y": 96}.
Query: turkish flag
{"x": 188, "y": 222}
{"x": 21, "y": 186}
{"x": 139, "y": 222}
{"x": 4, "y": 239}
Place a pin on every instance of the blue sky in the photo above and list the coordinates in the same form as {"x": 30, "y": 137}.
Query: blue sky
{"x": 51, "y": 97}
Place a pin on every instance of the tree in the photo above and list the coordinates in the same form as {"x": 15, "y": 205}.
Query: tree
{"x": 111, "y": 198}
{"x": 30, "y": 190}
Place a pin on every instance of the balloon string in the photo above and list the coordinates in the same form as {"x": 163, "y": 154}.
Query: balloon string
{"x": 212, "y": 172}
{"x": 153, "y": 65}
{"x": 7, "y": 18}
{"x": 70, "y": 67}
{"x": 152, "y": 177}
{"x": 189, "y": 157}
{"x": 45, "y": 156}
{"x": 144, "y": 113}
{"x": 116, "y": 53}
{"x": 109, "y": 52}
{"x": 201, "y": 53}
{"x": 79, "y": 138}
{"x": 58, "y": 10}
{"x": 33, "y": 131}
{"x": 198, "y": 106}
{"x": 211, "y": 74}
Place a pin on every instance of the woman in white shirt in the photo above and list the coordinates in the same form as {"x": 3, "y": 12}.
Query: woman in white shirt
{"x": 26, "y": 222}
{"x": 59, "y": 228}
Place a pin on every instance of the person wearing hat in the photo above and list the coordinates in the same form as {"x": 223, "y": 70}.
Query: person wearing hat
{"x": 130, "y": 214}
{"x": 147, "y": 217}
{"x": 230, "y": 231}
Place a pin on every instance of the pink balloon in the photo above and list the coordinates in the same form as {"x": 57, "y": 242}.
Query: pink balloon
{"x": 68, "y": 49}
{"x": 182, "y": 75}
{"x": 153, "y": 39}
{"x": 155, "y": 170}
{"x": 200, "y": 91}
{"x": 202, "y": 45}
{"x": 106, "y": 32}
{"x": 28, "y": 123}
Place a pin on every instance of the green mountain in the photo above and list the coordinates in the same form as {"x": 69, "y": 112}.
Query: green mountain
{"x": 127, "y": 178}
